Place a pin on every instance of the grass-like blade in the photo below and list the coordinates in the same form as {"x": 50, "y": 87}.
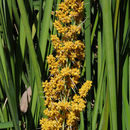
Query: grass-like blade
{"x": 110, "y": 62}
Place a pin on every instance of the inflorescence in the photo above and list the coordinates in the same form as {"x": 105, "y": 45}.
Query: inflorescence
{"x": 63, "y": 100}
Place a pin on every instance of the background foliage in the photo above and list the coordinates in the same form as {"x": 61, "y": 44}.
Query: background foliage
{"x": 25, "y": 29}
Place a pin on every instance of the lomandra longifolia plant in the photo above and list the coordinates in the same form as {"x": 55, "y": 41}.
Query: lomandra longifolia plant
{"x": 63, "y": 100}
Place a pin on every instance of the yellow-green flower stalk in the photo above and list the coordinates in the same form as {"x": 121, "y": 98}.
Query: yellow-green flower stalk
{"x": 63, "y": 101}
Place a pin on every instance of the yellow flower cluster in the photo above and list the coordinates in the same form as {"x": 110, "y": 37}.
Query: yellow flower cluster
{"x": 63, "y": 100}
{"x": 70, "y": 11}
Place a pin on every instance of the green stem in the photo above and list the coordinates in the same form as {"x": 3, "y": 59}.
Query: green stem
{"x": 88, "y": 60}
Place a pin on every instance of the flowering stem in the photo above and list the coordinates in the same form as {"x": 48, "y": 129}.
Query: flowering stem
{"x": 65, "y": 70}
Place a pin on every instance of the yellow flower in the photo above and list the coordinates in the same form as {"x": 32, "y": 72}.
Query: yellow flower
{"x": 72, "y": 31}
{"x": 71, "y": 119}
{"x": 63, "y": 106}
{"x": 63, "y": 6}
{"x": 60, "y": 28}
{"x": 48, "y": 124}
{"x": 85, "y": 88}
{"x": 56, "y": 42}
